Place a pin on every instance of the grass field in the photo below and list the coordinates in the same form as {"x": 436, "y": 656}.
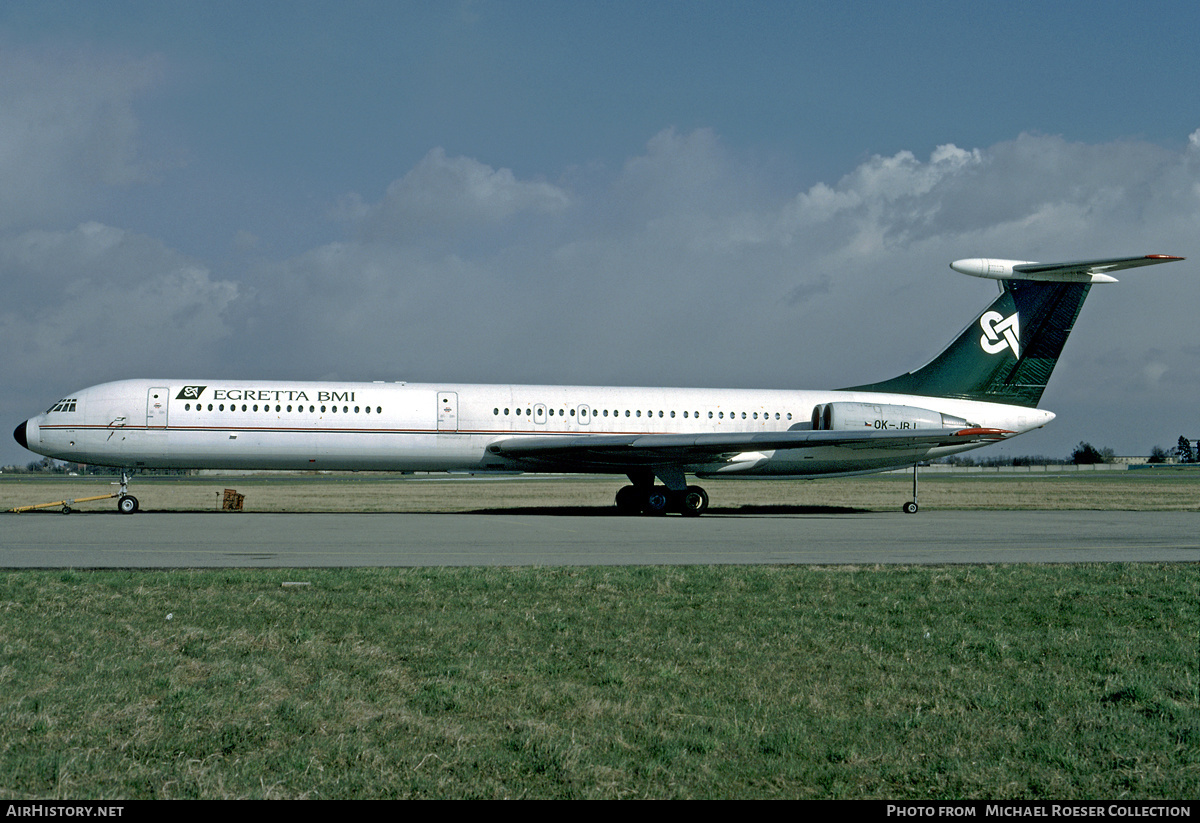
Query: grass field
{"x": 1068, "y": 682}
{"x": 1045, "y": 682}
{"x": 1125, "y": 490}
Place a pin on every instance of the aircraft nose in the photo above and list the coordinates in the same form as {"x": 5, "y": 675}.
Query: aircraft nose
{"x": 19, "y": 433}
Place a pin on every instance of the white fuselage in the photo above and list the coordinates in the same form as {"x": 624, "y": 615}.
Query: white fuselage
{"x": 246, "y": 424}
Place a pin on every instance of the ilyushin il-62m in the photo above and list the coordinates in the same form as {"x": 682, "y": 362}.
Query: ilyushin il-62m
{"x": 983, "y": 388}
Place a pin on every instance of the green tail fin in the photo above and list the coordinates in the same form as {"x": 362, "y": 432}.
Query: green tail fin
{"x": 1004, "y": 356}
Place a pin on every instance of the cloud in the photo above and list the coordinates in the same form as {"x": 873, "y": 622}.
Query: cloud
{"x": 447, "y": 196}
{"x": 99, "y": 302}
{"x": 67, "y": 126}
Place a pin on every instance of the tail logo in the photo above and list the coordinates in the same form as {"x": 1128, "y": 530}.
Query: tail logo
{"x": 1000, "y": 333}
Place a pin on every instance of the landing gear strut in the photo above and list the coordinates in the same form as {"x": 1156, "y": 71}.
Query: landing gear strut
{"x": 911, "y": 506}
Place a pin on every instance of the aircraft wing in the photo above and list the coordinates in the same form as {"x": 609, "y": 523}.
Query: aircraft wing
{"x": 658, "y": 449}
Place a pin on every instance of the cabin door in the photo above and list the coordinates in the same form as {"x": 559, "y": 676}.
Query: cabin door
{"x": 156, "y": 407}
{"x": 447, "y": 411}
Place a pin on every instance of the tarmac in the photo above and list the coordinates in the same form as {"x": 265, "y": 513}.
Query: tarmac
{"x": 516, "y": 537}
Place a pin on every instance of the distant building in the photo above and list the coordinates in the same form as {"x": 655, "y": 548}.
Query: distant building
{"x": 1135, "y": 460}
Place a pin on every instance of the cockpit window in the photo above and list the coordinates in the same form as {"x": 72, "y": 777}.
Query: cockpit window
{"x": 65, "y": 405}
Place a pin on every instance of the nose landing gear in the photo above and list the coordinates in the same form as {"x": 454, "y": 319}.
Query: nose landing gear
{"x": 126, "y": 502}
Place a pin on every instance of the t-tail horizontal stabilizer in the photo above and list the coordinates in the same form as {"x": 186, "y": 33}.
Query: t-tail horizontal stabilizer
{"x": 1079, "y": 271}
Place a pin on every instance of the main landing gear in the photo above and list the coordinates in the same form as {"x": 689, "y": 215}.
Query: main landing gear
{"x": 644, "y": 497}
{"x": 655, "y": 500}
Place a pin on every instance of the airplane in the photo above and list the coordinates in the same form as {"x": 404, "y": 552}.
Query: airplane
{"x": 984, "y": 387}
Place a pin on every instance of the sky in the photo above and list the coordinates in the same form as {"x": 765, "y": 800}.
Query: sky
{"x": 714, "y": 194}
